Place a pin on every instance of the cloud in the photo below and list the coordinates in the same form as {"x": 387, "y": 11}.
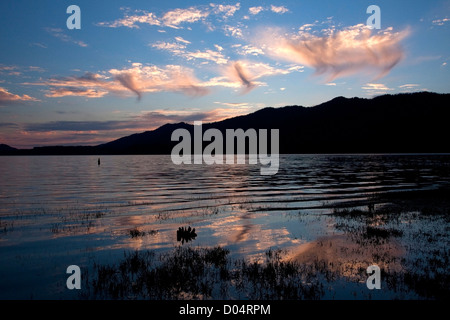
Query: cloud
{"x": 180, "y": 39}
{"x": 338, "y": 53}
{"x": 59, "y": 33}
{"x": 280, "y": 9}
{"x": 10, "y": 70}
{"x": 74, "y": 91}
{"x": 170, "y": 19}
{"x": 376, "y": 88}
{"x": 14, "y": 70}
{"x": 137, "y": 79}
{"x": 89, "y": 85}
{"x": 38, "y": 44}
{"x": 250, "y": 50}
{"x": 232, "y": 31}
{"x": 9, "y": 125}
{"x": 7, "y": 98}
{"x": 128, "y": 81}
{"x": 306, "y": 27}
{"x": 148, "y": 120}
{"x": 27, "y": 135}
{"x": 276, "y": 9}
{"x": 131, "y": 21}
{"x": 255, "y": 10}
{"x": 209, "y": 55}
{"x": 173, "y": 18}
{"x": 409, "y": 86}
{"x": 246, "y": 74}
{"x": 226, "y": 10}
{"x": 243, "y": 76}
{"x": 7, "y": 68}
{"x": 175, "y": 48}
{"x": 179, "y": 50}
{"x": 440, "y": 22}
{"x": 178, "y": 16}
{"x": 173, "y": 78}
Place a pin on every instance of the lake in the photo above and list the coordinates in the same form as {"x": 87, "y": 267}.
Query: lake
{"x": 57, "y": 211}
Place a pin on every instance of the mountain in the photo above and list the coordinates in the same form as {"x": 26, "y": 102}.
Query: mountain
{"x": 5, "y": 149}
{"x": 403, "y": 123}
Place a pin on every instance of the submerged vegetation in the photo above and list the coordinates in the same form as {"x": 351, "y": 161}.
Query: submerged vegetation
{"x": 408, "y": 242}
{"x": 201, "y": 273}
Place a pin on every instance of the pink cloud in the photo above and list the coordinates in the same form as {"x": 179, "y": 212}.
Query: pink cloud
{"x": 338, "y": 53}
{"x": 8, "y": 98}
{"x": 137, "y": 79}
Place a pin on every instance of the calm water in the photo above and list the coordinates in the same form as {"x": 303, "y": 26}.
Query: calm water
{"x": 58, "y": 211}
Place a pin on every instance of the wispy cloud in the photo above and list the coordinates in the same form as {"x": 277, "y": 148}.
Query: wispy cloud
{"x": 225, "y": 10}
{"x": 26, "y": 135}
{"x": 276, "y": 9}
{"x": 137, "y": 79}
{"x": 409, "y": 86}
{"x": 255, "y": 10}
{"x": 173, "y": 47}
{"x": 128, "y": 80}
{"x": 147, "y": 120}
{"x": 250, "y": 50}
{"x": 178, "y": 16}
{"x": 376, "y": 88}
{"x": 7, "y": 98}
{"x": 76, "y": 92}
{"x": 209, "y": 55}
{"x": 10, "y": 70}
{"x": 440, "y": 22}
{"x": 180, "y": 39}
{"x": 13, "y": 70}
{"x": 59, "y": 33}
{"x": 247, "y": 74}
{"x": 338, "y": 53}
{"x": 243, "y": 76}
{"x": 174, "y": 18}
{"x": 179, "y": 50}
{"x": 279, "y": 9}
{"x": 38, "y": 44}
{"x": 233, "y": 31}
{"x": 132, "y": 21}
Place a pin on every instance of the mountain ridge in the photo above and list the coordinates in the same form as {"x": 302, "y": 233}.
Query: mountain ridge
{"x": 401, "y": 123}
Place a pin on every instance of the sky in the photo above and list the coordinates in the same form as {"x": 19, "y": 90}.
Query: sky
{"x": 136, "y": 65}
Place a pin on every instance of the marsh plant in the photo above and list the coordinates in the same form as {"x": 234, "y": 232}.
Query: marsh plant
{"x": 409, "y": 243}
{"x": 202, "y": 273}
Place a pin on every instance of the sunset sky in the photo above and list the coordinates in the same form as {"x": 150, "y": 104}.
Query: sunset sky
{"x": 136, "y": 65}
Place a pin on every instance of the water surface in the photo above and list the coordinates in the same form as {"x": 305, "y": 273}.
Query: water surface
{"x": 57, "y": 211}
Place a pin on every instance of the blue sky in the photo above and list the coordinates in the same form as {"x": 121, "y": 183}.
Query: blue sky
{"x": 136, "y": 65}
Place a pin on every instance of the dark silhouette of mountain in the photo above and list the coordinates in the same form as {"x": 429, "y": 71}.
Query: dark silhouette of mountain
{"x": 5, "y": 149}
{"x": 402, "y": 123}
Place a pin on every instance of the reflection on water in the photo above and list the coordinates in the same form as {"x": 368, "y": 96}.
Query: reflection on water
{"x": 58, "y": 211}
{"x": 349, "y": 258}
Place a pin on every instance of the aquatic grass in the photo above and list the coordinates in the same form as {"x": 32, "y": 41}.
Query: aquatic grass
{"x": 201, "y": 273}
{"x": 209, "y": 273}
{"x": 419, "y": 228}
{"x": 136, "y": 233}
